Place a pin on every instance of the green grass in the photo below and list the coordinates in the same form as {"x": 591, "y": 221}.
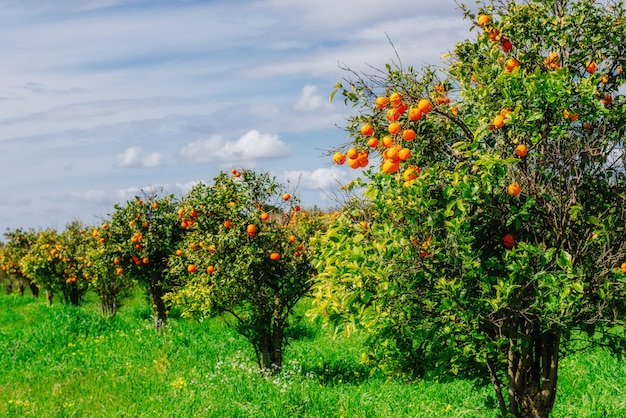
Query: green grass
{"x": 61, "y": 361}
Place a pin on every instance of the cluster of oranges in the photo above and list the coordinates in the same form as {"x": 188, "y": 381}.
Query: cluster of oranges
{"x": 393, "y": 134}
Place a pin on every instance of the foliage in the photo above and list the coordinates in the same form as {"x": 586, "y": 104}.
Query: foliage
{"x": 495, "y": 227}
{"x": 136, "y": 243}
{"x": 242, "y": 260}
{"x": 17, "y": 245}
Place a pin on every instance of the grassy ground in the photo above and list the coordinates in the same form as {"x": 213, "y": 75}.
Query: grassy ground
{"x": 61, "y": 361}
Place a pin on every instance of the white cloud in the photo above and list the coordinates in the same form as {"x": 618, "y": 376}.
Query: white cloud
{"x": 310, "y": 100}
{"x": 321, "y": 178}
{"x": 133, "y": 157}
{"x": 251, "y": 146}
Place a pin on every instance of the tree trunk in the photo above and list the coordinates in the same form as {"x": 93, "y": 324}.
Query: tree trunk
{"x": 34, "y": 289}
{"x": 49, "y": 296}
{"x": 532, "y": 374}
{"x": 158, "y": 306}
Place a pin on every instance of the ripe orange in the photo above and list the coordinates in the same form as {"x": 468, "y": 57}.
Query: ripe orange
{"x": 251, "y": 230}
{"x": 352, "y": 153}
{"x": 507, "y": 46}
{"x": 354, "y": 163}
{"x": 155, "y": 205}
{"x": 623, "y": 267}
{"x": 119, "y": 270}
{"x": 235, "y": 173}
{"x": 392, "y": 114}
{"x": 179, "y": 252}
{"x": 367, "y": 129}
{"x": 363, "y": 224}
{"x": 409, "y": 134}
{"x": 292, "y": 238}
{"x": 424, "y": 106}
{"x": 509, "y": 241}
{"x": 498, "y": 121}
{"x": 145, "y": 260}
{"x": 395, "y": 99}
{"x": 372, "y": 142}
{"x": 514, "y": 189}
{"x": 116, "y": 260}
{"x": 265, "y": 216}
{"x": 274, "y": 256}
{"x": 394, "y": 128}
{"x": 521, "y": 150}
{"x": 387, "y": 141}
{"x": 511, "y": 64}
{"x": 415, "y": 113}
{"x": 210, "y": 269}
{"x": 483, "y": 19}
{"x": 411, "y": 173}
{"x": 390, "y": 167}
{"x": 286, "y": 196}
{"x": 228, "y": 224}
{"x": 181, "y": 212}
{"x": 404, "y": 154}
{"x": 591, "y": 67}
{"x": 191, "y": 268}
{"x": 105, "y": 226}
{"x": 193, "y": 213}
{"x": 339, "y": 158}
{"x": 382, "y": 102}
{"x": 297, "y": 208}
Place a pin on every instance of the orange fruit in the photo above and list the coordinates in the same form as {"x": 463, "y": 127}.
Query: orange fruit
{"x": 387, "y": 141}
{"x": 381, "y": 102}
{"x": 339, "y": 158}
{"x": 408, "y": 134}
{"x": 521, "y": 150}
{"x": 274, "y": 256}
{"x": 514, "y": 189}
{"x": 286, "y": 196}
{"x": 507, "y": 46}
{"x": 498, "y": 121}
{"x": 367, "y": 129}
{"x": 392, "y": 114}
{"x": 145, "y": 260}
{"x": 119, "y": 270}
{"x": 354, "y": 163}
{"x": 228, "y": 224}
{"x": 509, "y": 241}
{"x": 179, "y": 252}
{"x": 251, "y": 230}
{"x": 393, "y": 153}
{"x": 623, "y": 267}
{"x": 411, "y": 173}
{"x": 511, "y": 64}
{"x": 193, "y": 213}
{"x": 181, "y": 212}
{"x": 483, "y": 19}
{"x": 210, "y": 269}
{"x": 265, "y": 216}
{"x": 116, "y": 260}
{"x": 155, "y": 205}
{"x": 424, "y": 106}
{"x": 404, "y": 154}
{"x": 591, "y": 67}
{"x": 352, "y": 153}
{"x": 552, "y": 61}
{"x": 191, "y": 268}
{"x": 394, "y": 128}
{"x": 390, "y": 167}
{"x": 415, "y": 113}
{"x": 292, "y": 238}
{"x": 372, "y": 142}
{"x": 395, "y": 99}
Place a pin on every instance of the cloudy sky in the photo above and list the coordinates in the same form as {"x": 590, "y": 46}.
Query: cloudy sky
{"x": 100, "y": 99}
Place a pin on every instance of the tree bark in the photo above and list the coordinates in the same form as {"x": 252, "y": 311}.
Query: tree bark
{"x": 532, "y": 374}
{"x": 160, "y": 314}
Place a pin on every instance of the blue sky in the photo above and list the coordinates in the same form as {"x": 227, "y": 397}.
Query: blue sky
{"x": 100, "y": 99}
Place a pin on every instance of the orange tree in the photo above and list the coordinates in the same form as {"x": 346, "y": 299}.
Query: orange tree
{"x": 136, "y": 243}
{"x": 16, "y": 247}
{"x": 74, "y": 241}
{"x": 43, "y": 264}
{"x": 495, "y": 225}
{"x": 242, "y": 260}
